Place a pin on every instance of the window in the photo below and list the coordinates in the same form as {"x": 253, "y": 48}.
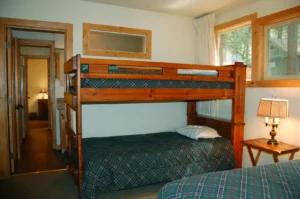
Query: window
{"x": 104, "y": 40}
{"x": 275, "y": 50}
{"x": 234, "y": 42}
{"x": 236, "y": 46}
{"x": 282, "y": 45}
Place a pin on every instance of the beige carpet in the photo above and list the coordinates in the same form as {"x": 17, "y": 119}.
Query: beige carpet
{"x": 59, "y": 185}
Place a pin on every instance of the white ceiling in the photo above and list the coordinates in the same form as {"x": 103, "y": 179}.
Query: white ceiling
{"x": 190, "y": 8}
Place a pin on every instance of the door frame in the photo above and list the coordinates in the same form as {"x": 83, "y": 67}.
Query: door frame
{"x": 25, "y": 89}
{"x": 13, "y": 142}
{"x": 22, "y": 24}
{"x": 51, "y": 79}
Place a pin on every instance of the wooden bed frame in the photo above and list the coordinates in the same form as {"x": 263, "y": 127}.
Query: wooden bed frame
{"x": 98, "y": 68}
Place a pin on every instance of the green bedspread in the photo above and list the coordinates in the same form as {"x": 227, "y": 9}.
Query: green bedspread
{"x": 122, "y": 162}
{"x": 281, "y": 180}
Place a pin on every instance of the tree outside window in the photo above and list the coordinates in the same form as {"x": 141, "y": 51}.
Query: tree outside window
{"x": 283, "y": 51}
{"x": 236, "y": 46}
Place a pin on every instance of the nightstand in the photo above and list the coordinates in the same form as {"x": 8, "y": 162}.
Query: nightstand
{"x": 43, "y": 109}
{"x": 261, "y": 145}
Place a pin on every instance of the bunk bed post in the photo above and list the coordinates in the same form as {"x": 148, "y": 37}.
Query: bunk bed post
{"x": 191, "y": 111}
{"x": 238, "y": 109}
{"x": 67, "y": 120}
{"x": 79, "y": 124}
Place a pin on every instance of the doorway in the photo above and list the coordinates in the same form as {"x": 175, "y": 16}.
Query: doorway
{"x": 37, "y": 153}
{"x": 9, "y": 137}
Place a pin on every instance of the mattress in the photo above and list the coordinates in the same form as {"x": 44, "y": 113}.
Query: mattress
{"x": 122, "y": 162}
{"x": 138, "y": 83}
{"x": 281, "y": 180}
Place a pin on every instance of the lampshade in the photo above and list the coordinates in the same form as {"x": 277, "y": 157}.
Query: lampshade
{"x": 43, "y": 90}
{"x": 271, "y": 107}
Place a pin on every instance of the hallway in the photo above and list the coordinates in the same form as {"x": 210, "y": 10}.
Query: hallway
{"x": 36, "y": 152}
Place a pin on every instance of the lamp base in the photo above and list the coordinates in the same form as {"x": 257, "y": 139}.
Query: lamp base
{"x": 272, "y": 142}
{"x": 273, "y": 133}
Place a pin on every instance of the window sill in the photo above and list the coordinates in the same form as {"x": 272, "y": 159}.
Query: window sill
{"x": 273, "y": 83}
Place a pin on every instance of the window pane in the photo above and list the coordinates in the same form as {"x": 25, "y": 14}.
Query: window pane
{"x": 117, "y": 41}
{"x": 283, "y": 50}
{"x": 277, "y": 51}
{"x": 235, "y": 46}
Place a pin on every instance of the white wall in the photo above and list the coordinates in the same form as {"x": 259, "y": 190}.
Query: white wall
{"x": 25, "y": 50}
{"x": 173, "y": 40}
{"x": 287, "y": 131}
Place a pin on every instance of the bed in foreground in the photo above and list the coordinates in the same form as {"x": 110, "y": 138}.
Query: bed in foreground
{"x": 281, "y": 180}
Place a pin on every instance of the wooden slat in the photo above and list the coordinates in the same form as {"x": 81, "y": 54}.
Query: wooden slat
{"x": 92, "y": 95}
{"x": 97, "y": 68}
{"x": 70, "y": 65}
{"x": 71, "y": 100}
{"x": 157, "y": 77}
{"x": 154, "y": 64}
{"x": 170, "y": 71}
{"x": 224, "y": 74}
{"x": 142, "y": 69}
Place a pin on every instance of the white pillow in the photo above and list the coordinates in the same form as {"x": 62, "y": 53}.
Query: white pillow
{"x": 196, "y": 132}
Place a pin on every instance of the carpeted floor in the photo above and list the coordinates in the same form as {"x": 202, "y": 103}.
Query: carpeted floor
{"x": 59, "y": 185}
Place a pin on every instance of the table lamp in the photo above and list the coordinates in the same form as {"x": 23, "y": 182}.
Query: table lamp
{"x": 273, "y": 108}
{"x": 43, "y": 92}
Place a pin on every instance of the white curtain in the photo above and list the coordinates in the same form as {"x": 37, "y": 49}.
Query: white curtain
{"x": 206, "y": 54}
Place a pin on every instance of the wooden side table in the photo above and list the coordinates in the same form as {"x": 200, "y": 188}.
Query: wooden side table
{"x": 43, "y": 109}
{"x": 261, "y": 145}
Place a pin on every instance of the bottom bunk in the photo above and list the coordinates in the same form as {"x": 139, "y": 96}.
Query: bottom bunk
{"x": 122, "y": 162}
{"x": 281, "y": 180}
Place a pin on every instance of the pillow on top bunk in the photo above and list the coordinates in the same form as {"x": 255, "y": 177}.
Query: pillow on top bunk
{"x": 196, "y": 132}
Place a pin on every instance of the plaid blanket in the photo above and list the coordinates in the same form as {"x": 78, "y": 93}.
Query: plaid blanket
{"x": 139, "y": 83}
{"x": 281, "y": 180}
{"x": 123, "y": 162}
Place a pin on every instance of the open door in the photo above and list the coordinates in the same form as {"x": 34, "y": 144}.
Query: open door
{"x": 24, "y": 97}
{"x": 11, "y": 102}
{"x": 19, "y": 108}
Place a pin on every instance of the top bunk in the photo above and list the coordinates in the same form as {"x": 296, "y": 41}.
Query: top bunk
{"x": 103, "y": 80}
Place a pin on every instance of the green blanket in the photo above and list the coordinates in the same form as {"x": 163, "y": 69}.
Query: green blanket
{"x": 281, "y": 180}
{"x": 123, "y": 162}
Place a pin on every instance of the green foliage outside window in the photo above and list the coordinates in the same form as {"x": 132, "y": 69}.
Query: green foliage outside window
{"x": 239, "y": 43}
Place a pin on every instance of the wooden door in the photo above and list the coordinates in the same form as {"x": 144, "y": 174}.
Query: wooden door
{"x": 24, "y": 95}
{"x": 17, "y": 94}
{"x": 11, "y": 101}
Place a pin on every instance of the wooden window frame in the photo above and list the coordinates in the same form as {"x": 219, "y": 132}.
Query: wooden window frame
{"x": 258, "y": 49}
{"x": 86, "y": 36}
{"x": 233, "y": 25}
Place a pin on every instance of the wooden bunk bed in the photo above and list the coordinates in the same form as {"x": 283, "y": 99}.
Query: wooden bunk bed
{"x": 79, "y": 70}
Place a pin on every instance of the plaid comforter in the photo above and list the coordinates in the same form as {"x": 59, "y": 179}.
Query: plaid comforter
{"x": 140, "y": 83}
{"x": 122, "y": 162}
{"x": 281, "y": 180}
